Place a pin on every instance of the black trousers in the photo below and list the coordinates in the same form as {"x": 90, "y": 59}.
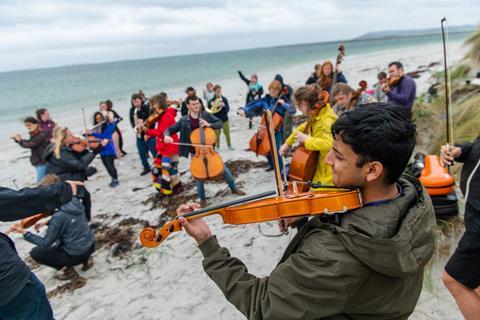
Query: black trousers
{"x": 57, "y": 258}
{"x": 109, "y": 163}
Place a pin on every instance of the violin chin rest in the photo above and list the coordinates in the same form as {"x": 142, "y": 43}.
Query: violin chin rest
{"x": 148, "y": 238}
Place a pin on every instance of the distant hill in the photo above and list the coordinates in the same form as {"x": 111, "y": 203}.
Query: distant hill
{"x": 413, "y": 32}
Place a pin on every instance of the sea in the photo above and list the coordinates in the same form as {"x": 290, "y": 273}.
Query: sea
{"x": 66, "y": 90}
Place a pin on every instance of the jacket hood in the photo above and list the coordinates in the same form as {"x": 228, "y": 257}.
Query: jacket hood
{"x": 74, "y": 207}
{"x": 279, "y": 77}
{"x": 396, "y": 238}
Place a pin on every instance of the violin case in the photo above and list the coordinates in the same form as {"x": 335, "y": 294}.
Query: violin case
{"x": 438, "y": 182}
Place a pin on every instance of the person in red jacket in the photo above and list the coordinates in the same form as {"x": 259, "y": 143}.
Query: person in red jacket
{"x": 164, "y": 172}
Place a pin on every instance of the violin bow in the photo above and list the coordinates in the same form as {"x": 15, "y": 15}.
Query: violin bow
{"x": 448, "y": 94}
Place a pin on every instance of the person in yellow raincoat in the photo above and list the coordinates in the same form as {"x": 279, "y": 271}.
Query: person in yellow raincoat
{"x": 320, "y": 136}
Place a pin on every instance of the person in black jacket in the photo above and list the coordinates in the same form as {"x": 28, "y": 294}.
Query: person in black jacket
{"x": 193, "y": 120}
{"x": 220, "y": 103}
{"x": 139, "y": 113}
{"x": 462, "y": 276}
{"x": 190, "y": 92}
{"x": 68, "y": 241}
{"x": 37, "y": 143}
{"x": 22, "y": 295}
{"x": 315, "y": 75}
{"x": 68, "y": 164}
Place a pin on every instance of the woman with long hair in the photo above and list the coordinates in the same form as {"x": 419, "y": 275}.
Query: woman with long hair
{"x": 164, "y": 173}
{"x": 68, "y": 164}
{"x": 311, "y": 102}
{"x": 326, "y": 76}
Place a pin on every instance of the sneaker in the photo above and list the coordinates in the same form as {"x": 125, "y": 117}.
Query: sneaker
{"x": 67, "y": 273}
{"x": 238, "y": 192}
{"x": 144, "y": 172}
{"x": 204, "y": 203}
{"x": 231, "y": 148}
{"x": 114, "y": 183}
{"x": 87, "y": 264}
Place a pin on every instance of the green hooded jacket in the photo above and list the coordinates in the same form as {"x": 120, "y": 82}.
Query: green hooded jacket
{"x": 370, "y": 266}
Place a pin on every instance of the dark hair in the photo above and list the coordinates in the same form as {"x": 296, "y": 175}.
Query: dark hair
{"x": 136, "y": 96}
{"x": 40, "y": 112}
{"x": 31, "y": 120}
{"x": 379, "y": 132}
{"x": 189, "y": 89}
{"x": 95, "y": 117}
{"x": 397, "y": 64}
{"x": 191, "y": 98}
{"x": 217, "y": 86}
{"x": 381, "y": 75}
{"x": 109, "y": 104}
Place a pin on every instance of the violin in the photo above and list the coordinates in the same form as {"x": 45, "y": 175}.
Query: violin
{"x": 304, "y": 162}
{"x": 259, "y": 142}
{"x": 30, "y": 221}
{"x": 393, "y": 81}
{"x": 206, "y": 164}
{"x": 356, "y": 95}
{"x": 78, "y": 144}
{"x": 265, "y": 207}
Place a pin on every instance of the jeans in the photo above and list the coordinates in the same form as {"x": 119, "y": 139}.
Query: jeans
{"x": 40, "y": 171}
{"x": 227, "y": 175}
{"x": 143, "y": 148}
{"x": 278, "y": 141}
{"x": 30, "y": 303}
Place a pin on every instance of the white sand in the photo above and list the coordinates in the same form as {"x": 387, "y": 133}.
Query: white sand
{"x": 168, "y": 282}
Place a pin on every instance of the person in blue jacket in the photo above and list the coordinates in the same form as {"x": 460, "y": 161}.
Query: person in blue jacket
{"x": 275, "y": 101}
{"x": 108, "y": 153}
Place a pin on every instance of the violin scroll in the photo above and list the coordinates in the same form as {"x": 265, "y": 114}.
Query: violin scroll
{"x": 150, "y": 238}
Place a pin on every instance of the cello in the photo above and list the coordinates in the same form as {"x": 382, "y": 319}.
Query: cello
{"x": 357, "y": 94}
{"x": 304, "y": 161}
{"x": 340, "y": 57}
{"x": 206, "y": 164}
{"x": 266, "y": 206}
{"x": 259, "y": 142}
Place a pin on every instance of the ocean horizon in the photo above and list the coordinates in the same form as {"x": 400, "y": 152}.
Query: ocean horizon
{"x": 67, "y": 89}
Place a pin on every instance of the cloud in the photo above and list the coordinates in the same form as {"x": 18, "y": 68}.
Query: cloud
{"x": 37, "y": 33}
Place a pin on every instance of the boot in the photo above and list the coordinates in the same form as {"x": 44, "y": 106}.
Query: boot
{"x": 67, "y": 273}
{"x": 87, "y": 264}
{"x": 238, "y": 192}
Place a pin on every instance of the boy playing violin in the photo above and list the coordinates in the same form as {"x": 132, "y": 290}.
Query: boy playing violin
{"x": 367, "y": 263}
{"x": 194, "y": 119}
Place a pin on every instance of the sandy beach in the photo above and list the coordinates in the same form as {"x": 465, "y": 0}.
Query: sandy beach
{"x": 128, "y": 281}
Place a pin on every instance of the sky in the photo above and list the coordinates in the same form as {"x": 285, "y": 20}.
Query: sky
{"x": 39, "y": 34}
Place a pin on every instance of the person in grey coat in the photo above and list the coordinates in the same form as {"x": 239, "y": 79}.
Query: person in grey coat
{"x": 68, "y": 240}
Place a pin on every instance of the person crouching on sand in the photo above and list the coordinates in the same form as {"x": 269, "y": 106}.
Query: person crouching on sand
{"x": 37, "y": 143}
{"x": 68, "y": 240}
